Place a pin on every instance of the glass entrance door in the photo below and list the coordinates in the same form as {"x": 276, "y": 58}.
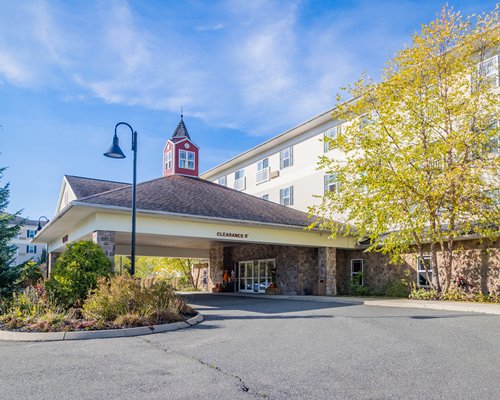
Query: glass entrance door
{"x": 254, "y": 276}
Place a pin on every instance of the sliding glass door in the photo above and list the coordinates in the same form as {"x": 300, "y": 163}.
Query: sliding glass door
{"x": 255, "y": 276}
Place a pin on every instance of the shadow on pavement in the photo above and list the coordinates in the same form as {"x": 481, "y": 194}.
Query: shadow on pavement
{"x": 207, "y": 302}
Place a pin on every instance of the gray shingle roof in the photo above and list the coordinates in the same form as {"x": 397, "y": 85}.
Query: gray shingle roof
{"x": 181, "y": 131}
{"x": 84, "y": 187}
{"x": 198, "y": 197}
{"x": 24, "y": 221}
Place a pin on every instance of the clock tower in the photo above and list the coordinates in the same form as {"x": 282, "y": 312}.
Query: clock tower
{"x": 180, "y": 154}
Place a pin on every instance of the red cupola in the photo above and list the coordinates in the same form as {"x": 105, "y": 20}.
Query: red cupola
{"x": 180, "y": 155}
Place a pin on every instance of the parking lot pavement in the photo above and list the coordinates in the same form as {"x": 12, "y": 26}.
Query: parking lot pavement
{"x": 263, "y": 348}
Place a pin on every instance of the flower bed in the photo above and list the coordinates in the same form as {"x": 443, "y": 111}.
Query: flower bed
{"x": 117, "y": 302}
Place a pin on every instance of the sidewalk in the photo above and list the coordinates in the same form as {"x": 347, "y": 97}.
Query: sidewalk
{"x": 461, "y": 306}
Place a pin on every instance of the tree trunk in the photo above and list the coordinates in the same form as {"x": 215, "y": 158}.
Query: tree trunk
{"x": 435, "y": 269}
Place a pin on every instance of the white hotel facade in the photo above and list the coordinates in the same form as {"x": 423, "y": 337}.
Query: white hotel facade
{"x": 284, "y": 169}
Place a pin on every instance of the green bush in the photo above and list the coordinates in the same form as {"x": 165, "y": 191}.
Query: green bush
{"x": 397, "y": 289}
{"x": 29, "y": 274}
{"x": 129, "y": 301}
{"x": 76, "y": 273}
{"x": 454, "y": 295}
{"x": 29, "y": 307}
{"x": 424, "y": 294}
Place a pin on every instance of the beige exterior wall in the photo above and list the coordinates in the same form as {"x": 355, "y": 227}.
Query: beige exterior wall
{"x": 303, "y": 175}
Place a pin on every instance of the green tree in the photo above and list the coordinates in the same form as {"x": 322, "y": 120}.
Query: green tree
{"x": 76, "y": 273}
{"x": 29, "y": 274}
{"x": 417, "y": 158}
{"x": 8, "y": 231}
{"x": 164, "y": 266}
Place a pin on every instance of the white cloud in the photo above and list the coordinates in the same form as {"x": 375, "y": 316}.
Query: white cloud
{"x": 215, "y": 27}
{"x": 263, "y": 71}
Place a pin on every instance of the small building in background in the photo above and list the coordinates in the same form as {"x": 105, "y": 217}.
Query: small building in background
{"x": 25, "y": 249}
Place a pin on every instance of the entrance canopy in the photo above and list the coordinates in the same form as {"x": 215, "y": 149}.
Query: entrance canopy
{"x": 177, "y": 216}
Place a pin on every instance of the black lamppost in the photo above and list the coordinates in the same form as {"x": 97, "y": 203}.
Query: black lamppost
{"x": 39, "y": 226}
{"x": 38, "y": 229}
{"x": 115, "y": 152}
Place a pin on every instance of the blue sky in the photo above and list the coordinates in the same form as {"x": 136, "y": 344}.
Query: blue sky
{"x": 244, "y": 71}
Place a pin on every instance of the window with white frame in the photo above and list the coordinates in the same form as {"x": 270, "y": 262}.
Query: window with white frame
{"x": 332, "y": 183}
{"x": 168, "y": 160}
{"x": 262, "y": 171}
{"x": 365, "y": 121}
{"x": 423, "y": 263}
{"x": 239, "y": 179}
{"x": 489, "y": 70}
{"x": 186, "y": 159}
{"x": 265, "y": 196}
{"x": 357, "y": 269}
{"x": 329, "y": 135}
{"x": 286, "y": 196}
{"x": 30, "y": 233}
{"x": 31, "y": 249}
{"x": 222, "y": 180}
{"x": 286, "y": 157}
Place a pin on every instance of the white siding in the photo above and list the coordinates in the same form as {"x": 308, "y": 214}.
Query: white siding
{"x": 302, "y": 175}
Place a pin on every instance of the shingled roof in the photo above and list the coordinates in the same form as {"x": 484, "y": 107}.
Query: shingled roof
{"x": 200, "y": 198}
{"x": 181, "y": 131}
{"x": 84, "y": 187}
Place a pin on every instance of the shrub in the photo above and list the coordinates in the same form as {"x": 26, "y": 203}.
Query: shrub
{"x": 129, "y": 301}
{"x": 454, "y": 295}
{"x": 397, "y": 289}
{"x": 424, "y": 294}
{"x": 76, "y": 273}
{"x": 29, "y": 307}
{"x": 29, "y": 274}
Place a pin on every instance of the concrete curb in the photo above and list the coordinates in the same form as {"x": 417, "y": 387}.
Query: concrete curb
{"x": 493, "y": 309}
{"x": 103, "y": 334}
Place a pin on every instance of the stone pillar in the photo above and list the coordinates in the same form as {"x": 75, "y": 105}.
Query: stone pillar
{"x": 327, "y": 269}
{"x": 51, "y": 261}
{"x": 106, "y": 239}
{"x": 215, "y": 266}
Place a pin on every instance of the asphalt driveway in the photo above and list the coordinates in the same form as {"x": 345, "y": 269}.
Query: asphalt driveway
{"x": 251, "y": 348}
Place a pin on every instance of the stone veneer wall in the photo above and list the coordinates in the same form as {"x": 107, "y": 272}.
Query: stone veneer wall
{"x": 215, "y": 266}
{"x": 327, "y": 269}
{"x": 106, "y": 239}
{"x": 478, "y": 261}
{"x": 296, "y": 267}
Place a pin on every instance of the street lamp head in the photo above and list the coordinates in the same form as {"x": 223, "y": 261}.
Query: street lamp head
{"x": 39, "y": 226}
{"x": 115, "y": 151}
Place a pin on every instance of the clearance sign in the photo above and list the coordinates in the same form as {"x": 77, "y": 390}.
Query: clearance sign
{"x": 233, "y": 235}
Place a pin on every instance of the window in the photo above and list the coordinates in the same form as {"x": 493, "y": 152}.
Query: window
{"x": 331, "y": 134}
{"x": 222, "y": 180}
{"x": 31, "y": 249}
{"x": 265, "y": 196}
{"x": 286, "y": 196}
{"x": 186, "y": 159}
{"x": 168, "y": 161}
{"x": 286, "y": 157}
{"x": 239, "y": 180}
{"x": 30, "y": 233}
{"x": 357, "y": 269}
{"x": 365, "y": 125}
{"x": 421, "y": 276}
{"x": 262, "y": 171}
{"x": 489, "y": 70}
{"x": 332, "y": 183}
